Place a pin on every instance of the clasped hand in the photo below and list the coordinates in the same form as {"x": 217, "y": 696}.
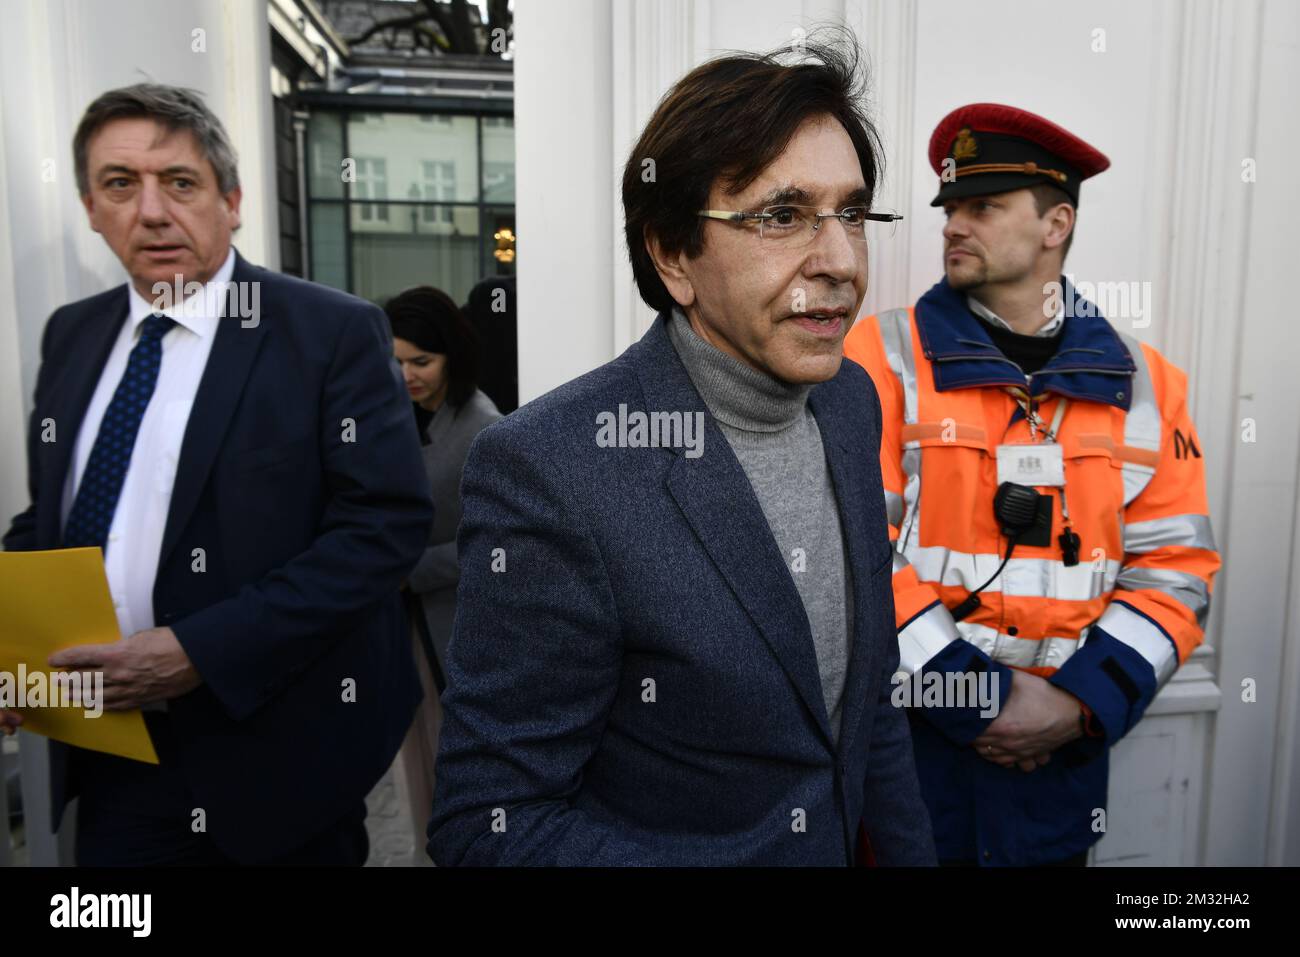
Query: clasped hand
{"x": 1036, "y": 718}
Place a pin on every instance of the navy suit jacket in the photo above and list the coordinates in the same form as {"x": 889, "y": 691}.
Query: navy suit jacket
{"x": 307, "y": 538}
{"x": 632, "y": 677}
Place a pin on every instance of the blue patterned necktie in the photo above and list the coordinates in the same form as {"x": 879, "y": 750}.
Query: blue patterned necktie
{"x": 101, "y": 483}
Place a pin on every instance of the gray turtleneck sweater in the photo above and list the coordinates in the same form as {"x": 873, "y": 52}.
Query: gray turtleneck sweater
{"x": 775, "y": 436}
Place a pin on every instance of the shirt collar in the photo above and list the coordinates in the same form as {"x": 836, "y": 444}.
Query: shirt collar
{"x": 199, "y": 313}
{"x": 1088, "y": 360}
{"x": 989, "y": 316}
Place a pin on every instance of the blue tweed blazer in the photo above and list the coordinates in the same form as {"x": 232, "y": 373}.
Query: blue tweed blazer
{"x": 631, "y": 675}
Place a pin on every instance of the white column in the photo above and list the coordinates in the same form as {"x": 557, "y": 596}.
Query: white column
{"x": 887, "y": 32}
{"x": 1239, "y": 297}
{"x": 13, "y": 458}
{"x": 564, "y": 208}
{"x": 240, "y": 93}
{"x": 655, "y": 43}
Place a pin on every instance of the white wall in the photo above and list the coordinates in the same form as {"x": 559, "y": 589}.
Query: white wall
{"x": 1181, "y": 95}
{"x": 1247, "y": 335}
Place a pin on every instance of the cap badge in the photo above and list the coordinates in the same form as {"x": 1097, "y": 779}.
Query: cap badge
{"x": 964, "y": 147}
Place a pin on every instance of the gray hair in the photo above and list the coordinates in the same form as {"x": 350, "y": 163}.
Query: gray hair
{"x": 174, "y": 107}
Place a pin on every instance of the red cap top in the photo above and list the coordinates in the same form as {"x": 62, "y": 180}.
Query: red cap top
{"x": 993, "y": 148}
{"x": 1009, "y": 120}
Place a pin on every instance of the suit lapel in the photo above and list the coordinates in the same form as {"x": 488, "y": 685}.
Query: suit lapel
{"x": 719, "y": 504}
{"x": 229, "y": 364}
{"x": 71, "y": 396}
{"x": 847, "y": 455}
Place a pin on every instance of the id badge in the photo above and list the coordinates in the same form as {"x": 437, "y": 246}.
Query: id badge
{"x": 1041, "y": 464}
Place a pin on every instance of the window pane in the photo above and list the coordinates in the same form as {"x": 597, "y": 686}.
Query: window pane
{"x": 325, "y": 155}
{"x": 498, "y": 159}
{"x": 328, "y": 245}
{"x": 401, "y": 144}
{"x": 371, "y": 182}
{"x": 396, "y": 246}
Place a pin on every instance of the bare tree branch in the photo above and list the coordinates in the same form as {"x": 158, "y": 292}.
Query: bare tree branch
{"x": 441, "y": 26}
{"x": 384, "y": 25}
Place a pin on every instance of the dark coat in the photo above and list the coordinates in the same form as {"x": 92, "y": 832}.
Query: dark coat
{"x": 307, "y": 538}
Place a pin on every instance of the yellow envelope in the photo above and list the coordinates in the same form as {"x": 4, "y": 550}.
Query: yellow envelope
{"x": 50, "y": 601}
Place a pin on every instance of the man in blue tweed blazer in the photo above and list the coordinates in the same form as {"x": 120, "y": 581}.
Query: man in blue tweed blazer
{"x": 675, "y": 633}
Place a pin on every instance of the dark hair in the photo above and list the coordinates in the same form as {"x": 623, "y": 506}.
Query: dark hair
{"x": 730, "y": 118}
{"x": 1045, "y": 197}
{"x": 175, "y": 108}
{"x": 429, "y": 320}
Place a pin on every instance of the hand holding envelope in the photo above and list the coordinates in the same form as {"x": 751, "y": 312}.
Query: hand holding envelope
{"x": 56, "y": 613}
{"x": 141, "y": 669}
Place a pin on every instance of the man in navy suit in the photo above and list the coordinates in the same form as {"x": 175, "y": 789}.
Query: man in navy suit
{"x": 675, "y": 633}
{"x": 244, "y": 454}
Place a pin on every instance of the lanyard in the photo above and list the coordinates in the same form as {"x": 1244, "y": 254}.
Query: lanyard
{"x": 1026, "y": 404}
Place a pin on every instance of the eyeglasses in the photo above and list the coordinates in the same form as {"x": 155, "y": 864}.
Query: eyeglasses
{"x": 795, "y": 226}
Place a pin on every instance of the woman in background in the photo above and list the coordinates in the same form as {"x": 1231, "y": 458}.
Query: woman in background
{"x": 438, "y": 354}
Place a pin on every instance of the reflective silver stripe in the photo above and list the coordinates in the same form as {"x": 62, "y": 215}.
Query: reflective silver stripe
{"x": 896, "y": 335}
{"x": 1142, "y": 428}
{"x": 1031, "y": 577}
{"x": 1126, "y": 625}
{"x": 893, "y": 508}
{"x": 924, "y": 637}
{"x": 1181, "y": 586}
{"x": 1189, "y": 531}
{"x": 899, "y": 562}
{"x": 911, "y": 496}
{"x": 1019, "y": 652}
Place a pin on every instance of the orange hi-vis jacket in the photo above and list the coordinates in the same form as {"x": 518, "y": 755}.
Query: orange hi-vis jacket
{"x": 1110, "y": 629}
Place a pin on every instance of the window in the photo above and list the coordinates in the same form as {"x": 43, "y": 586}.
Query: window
{"x": 498, "y": 159}
{"x": 371, "y": 183}
{"x": 325, "y": 156}
{"x": 439, "y": 186}
{"x": 499, "y": 180}
{"x": 430, "y": 200}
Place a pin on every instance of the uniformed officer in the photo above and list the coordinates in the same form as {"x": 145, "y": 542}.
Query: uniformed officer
{"x": 1053, "y": 556}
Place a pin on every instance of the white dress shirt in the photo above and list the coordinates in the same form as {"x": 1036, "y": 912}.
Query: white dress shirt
{"x": 989, "y": 316}
{"x": 135, "y": 536}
